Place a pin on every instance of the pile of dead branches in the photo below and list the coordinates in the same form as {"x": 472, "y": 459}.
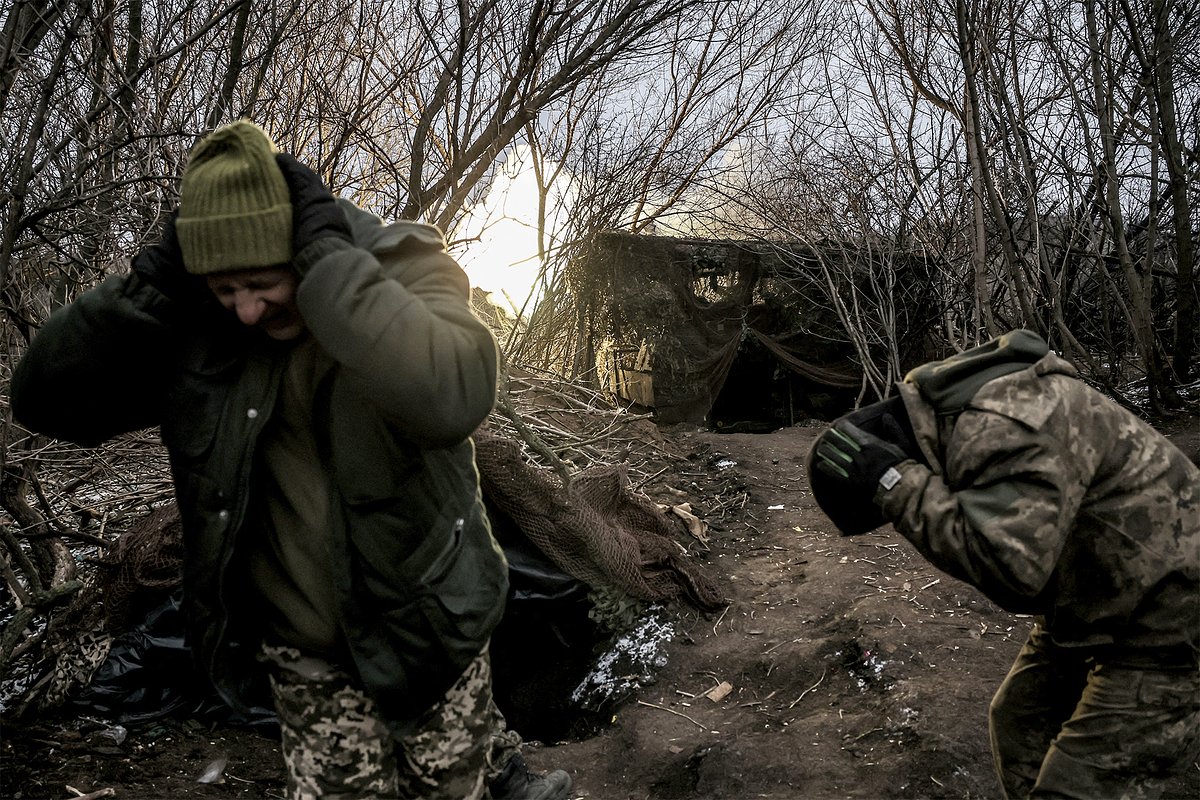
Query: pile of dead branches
{"x": 63, "y": 507}
{"x": 566, "y": 427}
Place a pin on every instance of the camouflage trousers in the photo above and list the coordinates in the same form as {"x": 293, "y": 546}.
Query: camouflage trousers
{"x": 335, "y": 745}
{"x": 1065, "y": 726}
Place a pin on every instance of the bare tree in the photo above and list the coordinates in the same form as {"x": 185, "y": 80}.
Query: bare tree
{"x": 654, "y": 145}
{"x": 1063, "y": 117}
{"x": 408, "y": 106}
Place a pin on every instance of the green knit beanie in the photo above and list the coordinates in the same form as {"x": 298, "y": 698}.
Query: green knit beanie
{"x": 235, "y": 210}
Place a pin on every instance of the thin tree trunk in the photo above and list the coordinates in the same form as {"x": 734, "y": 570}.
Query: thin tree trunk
{"x": 237, "y": 52}
{"x": 1187, "y": 304}
{"x": 1141, "y": 320}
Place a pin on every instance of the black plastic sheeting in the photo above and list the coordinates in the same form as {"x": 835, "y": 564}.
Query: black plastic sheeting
{"x": 149, "y": 673}
{"x": 534, "y": 577}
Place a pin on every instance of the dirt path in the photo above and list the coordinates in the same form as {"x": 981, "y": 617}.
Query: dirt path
{"x": 856, "y": 670}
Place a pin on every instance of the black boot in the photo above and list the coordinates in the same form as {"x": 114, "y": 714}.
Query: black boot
{"x": 516, "y": 782}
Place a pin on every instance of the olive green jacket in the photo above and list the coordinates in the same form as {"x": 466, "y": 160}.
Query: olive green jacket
{"x": 1054, "y": 500}
{"x": 420, "y": 581}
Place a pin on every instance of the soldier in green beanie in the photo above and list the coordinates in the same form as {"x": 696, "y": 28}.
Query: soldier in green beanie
{"x": 316, "y": 375}
{"x": 1008, "y": 472}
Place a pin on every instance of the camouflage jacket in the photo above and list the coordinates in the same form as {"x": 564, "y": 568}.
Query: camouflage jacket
{"x": 1053, "y": 500}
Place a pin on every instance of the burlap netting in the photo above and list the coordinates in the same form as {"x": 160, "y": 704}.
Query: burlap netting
{"x": 597, "y": 531}
{"x": 142, "y": 562}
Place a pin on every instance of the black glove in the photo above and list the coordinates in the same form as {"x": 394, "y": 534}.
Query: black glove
{"x": 161, "y": 266}
{"x": 318, "y": 226}
{"x": 847, "y": 453}
{"x": 846, "y": 462}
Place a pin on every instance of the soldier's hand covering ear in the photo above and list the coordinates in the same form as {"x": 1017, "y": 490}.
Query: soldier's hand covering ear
{"x": 318, "y": 226}
{"x": 161, "y": 266}
{"x": 855, "y": 457}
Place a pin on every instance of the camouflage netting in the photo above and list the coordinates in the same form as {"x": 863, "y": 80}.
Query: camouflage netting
{"x": 144, "y": 561}
{"x": 699, "y": 304}
{"x": 596, "y": 530}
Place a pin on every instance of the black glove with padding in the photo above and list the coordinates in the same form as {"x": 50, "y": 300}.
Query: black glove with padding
{"x": 319, "y": 227}
{"x": 161, "y": 266}
{"x": 848, "y": 460}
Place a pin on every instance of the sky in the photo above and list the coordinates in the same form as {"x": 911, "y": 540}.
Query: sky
{"x": 500, "y": 238}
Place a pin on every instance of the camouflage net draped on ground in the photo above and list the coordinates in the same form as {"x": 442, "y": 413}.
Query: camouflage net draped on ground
{"x": 596, "y": 530}
{"x": 142, "y": 563}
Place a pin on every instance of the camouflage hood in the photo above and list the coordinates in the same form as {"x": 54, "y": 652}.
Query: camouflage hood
{"x": 935, "y": 393}
{"x": 948, "y": 385}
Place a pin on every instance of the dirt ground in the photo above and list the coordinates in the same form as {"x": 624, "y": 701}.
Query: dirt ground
{"x": 842, "y": 668}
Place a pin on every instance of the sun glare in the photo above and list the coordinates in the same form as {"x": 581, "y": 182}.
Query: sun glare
{"x": 500, "y": 256}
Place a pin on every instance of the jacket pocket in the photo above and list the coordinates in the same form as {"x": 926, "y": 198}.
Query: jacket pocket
{"x": 195, "y": 404}
{"x": 413, "y": 641}
{"x": 467, "y": 589}
{"x": 400, "y": 557}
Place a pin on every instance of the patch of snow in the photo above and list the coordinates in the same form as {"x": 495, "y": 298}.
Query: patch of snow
{"x": 629, "y": 662}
